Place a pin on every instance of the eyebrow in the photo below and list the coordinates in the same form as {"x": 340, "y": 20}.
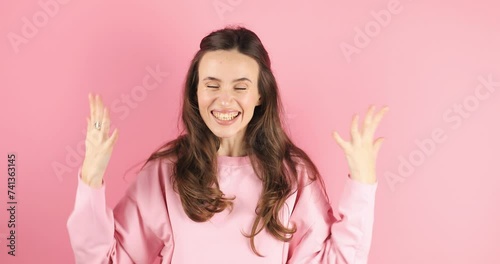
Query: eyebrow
{"x": 236, "y": 80}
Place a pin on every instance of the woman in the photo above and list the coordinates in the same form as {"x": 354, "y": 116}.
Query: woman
{"x": 232, "y": 188}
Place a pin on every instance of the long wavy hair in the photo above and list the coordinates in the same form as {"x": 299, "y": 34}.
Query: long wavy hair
{"x": 273, "y": 155}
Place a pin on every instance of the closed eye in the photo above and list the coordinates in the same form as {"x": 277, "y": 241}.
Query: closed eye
{"x": 240, "y": 88}
{"x": 211, "y": 86}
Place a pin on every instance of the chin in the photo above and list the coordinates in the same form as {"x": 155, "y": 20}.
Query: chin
{"x": 224, "y": 135}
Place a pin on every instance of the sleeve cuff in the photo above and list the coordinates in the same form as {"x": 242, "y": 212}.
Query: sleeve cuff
{"x": 358, "y": 191}
{"x": 86, "y": 186}
{"x": 86, "y": 193}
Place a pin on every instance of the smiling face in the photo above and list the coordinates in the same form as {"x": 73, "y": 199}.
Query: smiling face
{"x": 227, "y": 93}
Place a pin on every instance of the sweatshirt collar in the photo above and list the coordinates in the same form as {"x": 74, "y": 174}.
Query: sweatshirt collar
{"x": 233, "y": 160}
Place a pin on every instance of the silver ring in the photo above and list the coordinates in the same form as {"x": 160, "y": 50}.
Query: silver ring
{"x": 97, "y": 125}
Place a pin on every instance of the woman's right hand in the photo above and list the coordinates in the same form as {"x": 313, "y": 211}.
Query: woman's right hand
{"x": 98, "y": 144}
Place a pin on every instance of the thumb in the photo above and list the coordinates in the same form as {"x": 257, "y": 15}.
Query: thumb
{"x": 112, "y": 139}
{"x": 342, "y": 144}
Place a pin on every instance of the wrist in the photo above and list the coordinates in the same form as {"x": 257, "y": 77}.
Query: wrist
{"x": 92, "y": 182}
{"x": 365, "y": 178}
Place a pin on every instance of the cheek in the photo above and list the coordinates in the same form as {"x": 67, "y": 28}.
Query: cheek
{"x": 249, "y": 103}
{"x": 203, "y": 101}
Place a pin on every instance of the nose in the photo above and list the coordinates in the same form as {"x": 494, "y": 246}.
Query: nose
{"x": 225, "y": 98}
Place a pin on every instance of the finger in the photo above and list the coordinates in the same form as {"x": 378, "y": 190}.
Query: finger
{"x": 355, "y": 136}
{"x": 369, "y": 116}
{"x": 341, "y": 142}
{"x": 99, "y": 135}
{"x": 95, "y": 117}
{"x": 105, "y": 122}
{"x": 379, "y": 115}
{"x": 92, "y": 107}
{"x": 376, "y": 120}
{"x": 93, "y": 135}
{"x": 89, "y": 126}
{"x": 99, "y": 108}
{"x": 377, "y": 145}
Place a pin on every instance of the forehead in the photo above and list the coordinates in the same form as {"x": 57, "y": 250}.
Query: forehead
{"x": 227, "y": 65}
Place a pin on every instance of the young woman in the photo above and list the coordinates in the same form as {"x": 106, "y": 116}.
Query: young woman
{"x": 232, "y": 188}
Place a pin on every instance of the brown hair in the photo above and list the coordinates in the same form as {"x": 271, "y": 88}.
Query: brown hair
{"x": 273, "y": 155}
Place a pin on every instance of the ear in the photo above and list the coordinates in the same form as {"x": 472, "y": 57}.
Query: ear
{"x": 259, "y": 102}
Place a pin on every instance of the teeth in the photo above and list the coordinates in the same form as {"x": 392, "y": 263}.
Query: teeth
{"x": 225, "y": 117}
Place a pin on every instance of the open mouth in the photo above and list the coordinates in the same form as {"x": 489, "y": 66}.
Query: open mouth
{"x": 226, "y": 116}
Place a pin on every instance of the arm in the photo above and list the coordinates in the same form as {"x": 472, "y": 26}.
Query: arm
{"x": 133, "y": 232}
{"x": 321, "y": 238}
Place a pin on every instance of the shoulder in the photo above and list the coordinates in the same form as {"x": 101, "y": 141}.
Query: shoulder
{"x": 305, "y": 170}
{"x": 310, "y": 185}
{"x": 152, "y": 177}
{"x": 160, "y": 162}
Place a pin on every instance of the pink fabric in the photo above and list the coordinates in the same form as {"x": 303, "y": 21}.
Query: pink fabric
{"x": 149, "y": 221}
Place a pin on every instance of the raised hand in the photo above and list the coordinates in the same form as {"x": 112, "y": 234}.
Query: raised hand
{"x": 361, "y": 152}
{"x": 98, "y": 144}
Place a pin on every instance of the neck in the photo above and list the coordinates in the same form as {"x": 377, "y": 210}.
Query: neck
{"x": 231, "y": 147}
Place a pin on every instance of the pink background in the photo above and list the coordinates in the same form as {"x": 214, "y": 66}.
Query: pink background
{"x": 423, "y": 62}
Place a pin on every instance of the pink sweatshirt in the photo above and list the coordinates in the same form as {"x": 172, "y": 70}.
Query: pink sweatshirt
{"x": 149, "y": 221}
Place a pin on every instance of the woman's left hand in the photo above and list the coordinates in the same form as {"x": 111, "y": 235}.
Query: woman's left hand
{"x": 361, "y": 152}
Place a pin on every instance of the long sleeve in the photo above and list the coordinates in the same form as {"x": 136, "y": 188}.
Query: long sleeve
{"x": 322, "y": 238}
{"x": 135, "y": 231}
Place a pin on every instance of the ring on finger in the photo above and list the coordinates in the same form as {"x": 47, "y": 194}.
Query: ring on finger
{"x": 97, "y": 125}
